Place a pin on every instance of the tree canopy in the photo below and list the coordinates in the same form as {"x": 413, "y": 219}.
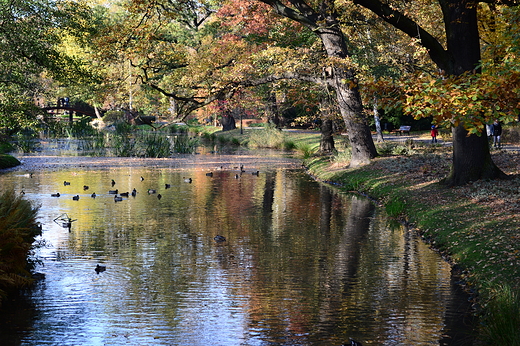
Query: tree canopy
{"x": 177, "y": 57}
{"x": 29, "y": 54}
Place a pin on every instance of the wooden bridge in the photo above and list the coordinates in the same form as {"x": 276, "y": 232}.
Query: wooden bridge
{"x": 70, "y": 109}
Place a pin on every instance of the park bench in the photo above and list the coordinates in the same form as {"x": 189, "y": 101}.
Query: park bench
{"x": 403, "y": 130}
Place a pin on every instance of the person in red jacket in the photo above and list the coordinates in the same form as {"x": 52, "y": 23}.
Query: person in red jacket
{"x": 434, "y": 132}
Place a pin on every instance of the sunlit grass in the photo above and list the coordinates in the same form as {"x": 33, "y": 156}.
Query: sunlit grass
{"x": 269, "y": 137}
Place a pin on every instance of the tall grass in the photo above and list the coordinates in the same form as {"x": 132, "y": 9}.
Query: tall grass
{"x": 123, "y": 145}
{"x": 305, "y": 150}
{"x": 18, "y": 230}
{"x": 27, "y": 141}
{"x": 184, "y": 144}
{"x": 153, "y": 145}
{"x": 270, "y": 137}
{"x": 95, "y": 144}
{"x": 501, "y": 325}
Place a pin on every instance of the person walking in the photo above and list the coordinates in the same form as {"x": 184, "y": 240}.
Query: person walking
{"x": 434, "y": 133}
{"x": 497, "y": 132}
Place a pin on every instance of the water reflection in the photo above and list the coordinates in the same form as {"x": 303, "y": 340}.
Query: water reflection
{"x": 302, "y": 264}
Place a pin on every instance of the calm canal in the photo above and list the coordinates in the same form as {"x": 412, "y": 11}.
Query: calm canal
{"x": 302, "y": 264}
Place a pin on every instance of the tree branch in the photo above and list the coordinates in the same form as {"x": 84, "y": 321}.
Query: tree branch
{"x": 395, "y": 18}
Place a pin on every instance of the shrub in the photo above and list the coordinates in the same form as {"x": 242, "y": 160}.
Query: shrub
{"x": 114, "y": 116}
{"x": 82, "y": 128}
{"x": 6, "y": 147}
{"x": 18, "y": 230}
{"x": 8, "y": 161}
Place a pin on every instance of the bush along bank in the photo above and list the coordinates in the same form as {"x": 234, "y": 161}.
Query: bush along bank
{"x": 18, "y": 230}
{"x": 474, "y": 226}
{"x": 8, "y": 161}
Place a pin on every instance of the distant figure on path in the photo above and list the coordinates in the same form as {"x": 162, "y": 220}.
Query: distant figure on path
{"x": 434, "y": 133}
{"x": 497, "y": 132}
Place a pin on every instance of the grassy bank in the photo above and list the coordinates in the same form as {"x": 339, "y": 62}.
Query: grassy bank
{"x": 474, "y": 226}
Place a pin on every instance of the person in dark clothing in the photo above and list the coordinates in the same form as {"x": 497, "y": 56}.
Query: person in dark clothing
{"x": 497, "y": 132}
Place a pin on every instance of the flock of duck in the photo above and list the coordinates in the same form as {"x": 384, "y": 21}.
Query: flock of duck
{"x": 118, "y": 196}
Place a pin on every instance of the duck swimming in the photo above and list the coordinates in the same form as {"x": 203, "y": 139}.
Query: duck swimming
{"x": 219, "y": 238}
{"x": 93, "y": 195}
{"x": 134, "y": 192}
{"x": 75, "y": 198}
{"x": 113, "y": 192}
{"x": 55, "y": 194}
{"x": 118, "y": 198}
{"x": 100, "y": 269}
{"x": 65, "y": 183}
{"x": 187, "y": 180}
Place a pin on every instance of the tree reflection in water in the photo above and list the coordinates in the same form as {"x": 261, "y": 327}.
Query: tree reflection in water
{"x": 301, "y": 265}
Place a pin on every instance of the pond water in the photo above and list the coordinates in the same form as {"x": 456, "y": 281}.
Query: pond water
{"x": 302, "y": 264}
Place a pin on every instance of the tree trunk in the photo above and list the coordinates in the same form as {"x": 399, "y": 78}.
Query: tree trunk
{"x": 228, "y": 122}
{"x": 326, "y": 140}
{"x": 323, "y": 22}
{"x": 377, "y": 121}
{"x": 349, "y": 99}
{"x": 471, "y": 159}
{"x": 462, "y": 55}
{"x": 471, "y": 156}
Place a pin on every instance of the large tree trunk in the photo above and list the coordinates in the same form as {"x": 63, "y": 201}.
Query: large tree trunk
{"x": 322, "y": 20}
{"x": 471, "y": 159}
{"x": 471, "y": 156}
{"x": 349, "y": 99}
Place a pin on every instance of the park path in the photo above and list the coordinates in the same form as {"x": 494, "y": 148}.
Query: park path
{"x": 426, "y": 140}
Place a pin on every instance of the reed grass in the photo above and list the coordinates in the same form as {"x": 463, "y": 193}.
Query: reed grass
{"x": 18, "y": 230}
{"x": 153, "y": 145}
{"x": 184, "y": 144}
{"x": 122, "y": 145}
